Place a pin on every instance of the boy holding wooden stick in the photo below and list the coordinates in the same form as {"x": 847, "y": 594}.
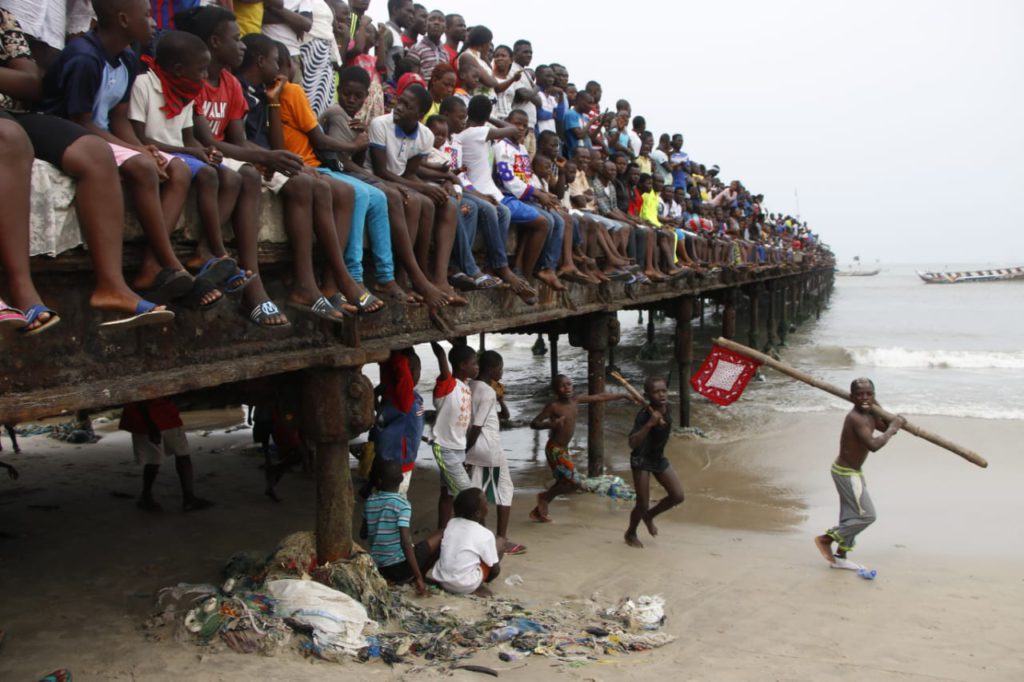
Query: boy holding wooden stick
{"x": 647, "y": 439}
{"x": 856, "y": 511}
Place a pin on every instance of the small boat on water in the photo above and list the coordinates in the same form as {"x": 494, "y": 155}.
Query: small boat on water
{"x": 993, "y": 275}
{"x": 857, "y": 273}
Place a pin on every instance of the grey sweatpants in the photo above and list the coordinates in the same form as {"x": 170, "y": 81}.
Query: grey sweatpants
{"x": 856, "y": 511}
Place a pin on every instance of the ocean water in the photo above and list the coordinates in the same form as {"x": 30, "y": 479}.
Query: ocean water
{"x": 950, "y": 350}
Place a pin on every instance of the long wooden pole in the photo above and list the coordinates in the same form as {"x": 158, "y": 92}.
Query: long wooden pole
{"x": 969, "y": 455}
{"x": 636, "y": 395}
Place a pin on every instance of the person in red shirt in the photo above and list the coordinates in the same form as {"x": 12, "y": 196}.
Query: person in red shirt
{"x": 157, "y": 431}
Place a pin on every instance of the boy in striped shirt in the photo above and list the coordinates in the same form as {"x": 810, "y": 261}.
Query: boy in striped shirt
{"x": 387, "y": 515}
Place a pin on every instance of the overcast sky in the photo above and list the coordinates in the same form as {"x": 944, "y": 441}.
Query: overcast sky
{"x": 899, "y": 123}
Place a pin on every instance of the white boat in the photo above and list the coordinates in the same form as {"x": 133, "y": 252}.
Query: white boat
{"x": 992, "y": 275}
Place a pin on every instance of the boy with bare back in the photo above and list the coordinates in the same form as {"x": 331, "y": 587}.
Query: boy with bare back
{"x": 559, "y": 417}
{"x": 856, "y": 511}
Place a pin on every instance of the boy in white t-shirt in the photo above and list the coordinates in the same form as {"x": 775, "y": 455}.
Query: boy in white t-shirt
{"x": 485, "y": 458}
{"x": 470, "y": 556}
{"x": 454, "y": 404}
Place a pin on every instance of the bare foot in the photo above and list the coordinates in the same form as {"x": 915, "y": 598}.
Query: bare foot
{"x": 391, "y": 292}
{"x": 551, "y": 279}
{"x": 432, "y": 296}
{"x": 540, "y": 512}
{"x": 633, "y": 541}
{"x": 824, "y": 545}
{"x": 651, "y": 528}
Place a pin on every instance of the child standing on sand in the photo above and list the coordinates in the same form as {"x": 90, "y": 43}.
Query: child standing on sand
{"x": 559, "y": 417}
{"x": 647, "y": 440}
{"x": 453, "y": 400}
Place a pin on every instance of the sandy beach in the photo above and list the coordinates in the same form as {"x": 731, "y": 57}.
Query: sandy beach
{"x": 747, "y": 594}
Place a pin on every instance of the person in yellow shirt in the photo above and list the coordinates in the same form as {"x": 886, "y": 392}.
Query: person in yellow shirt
{"x": 666, "y": 238}
{"x": 249, "y": 15}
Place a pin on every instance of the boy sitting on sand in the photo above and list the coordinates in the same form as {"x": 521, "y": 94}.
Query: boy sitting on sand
{"x": 470, "y": 556}
{"x": 387, "y": 515}
{"x": 647, "y": 440}
{"x": 559, "y": 416}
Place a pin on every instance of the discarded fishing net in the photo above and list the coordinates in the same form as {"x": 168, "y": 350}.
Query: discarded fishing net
{"x": 609, "y": 486}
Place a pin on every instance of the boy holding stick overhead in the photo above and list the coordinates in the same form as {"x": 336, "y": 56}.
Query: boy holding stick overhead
{"x": 559, "y": 417}
{"x": 647, "y": 440}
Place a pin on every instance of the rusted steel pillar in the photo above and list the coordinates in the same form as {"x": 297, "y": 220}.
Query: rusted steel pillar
{"x": 326, "y": 409}
{"x": 729, "y": 314}
{"x": 684, "y": 354}
{"x": 553, "y": 343}
{"x": 754, "y": 333}
{"x": 596, "y": 343}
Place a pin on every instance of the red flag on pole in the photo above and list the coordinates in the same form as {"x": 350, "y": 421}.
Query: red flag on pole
{"x": 723, "y": 375}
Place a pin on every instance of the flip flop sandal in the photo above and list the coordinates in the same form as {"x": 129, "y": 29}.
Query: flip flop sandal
{"x": 62, "y": 675}
{"x": 462, "y": 282}
{"x": 236, "y": 283}
{"x": 217, "y": 270}
{"x": 367, "y": 301}
{"x": 515, "y": 549}
{"x": 145, "y": 313}
{"x": 167, "y": 286}
{"x": 32, "y": 314}
{"x": 11, "y": 317}
{"x": 485, "y": 281}
{"x": 263, "y": 312}
{"x": 398, "y": 297}
{"x": 200, "y": 288}
{"x": 321, "y": 308}
{"x": 342, "y": 305}
{"x": 619, "y": 276}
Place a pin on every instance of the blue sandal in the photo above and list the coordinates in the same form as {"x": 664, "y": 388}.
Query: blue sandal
{"x": 145, "y": 313}
{"x": 32, "y": 314}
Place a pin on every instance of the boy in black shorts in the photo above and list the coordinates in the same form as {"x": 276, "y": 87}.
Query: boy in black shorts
{"x": 650, "y": 433}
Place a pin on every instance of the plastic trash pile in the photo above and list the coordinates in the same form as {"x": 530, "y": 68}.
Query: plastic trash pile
{"x": 346, "y": 611}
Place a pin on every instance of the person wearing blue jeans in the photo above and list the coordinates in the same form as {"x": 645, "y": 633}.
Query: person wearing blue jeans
{"x": 552, "y": 252}
{"x": 494, "y": 221}
{"x": 369, "y": 217}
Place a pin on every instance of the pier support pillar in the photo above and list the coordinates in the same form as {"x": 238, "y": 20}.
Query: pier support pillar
{"x": 784, "y": 295}
{"x": 684, "y": 354}
{"x": 596, "y": 343}
{"x": 553, "y": 343}
{"x": 771, "y": 325}
{"x": 818, "y": 296}
{"x": 325, "y": 404}
{"x": 701, "y": 312}
{"x": 754, "y": 333}
{"x": 729, "y": 314}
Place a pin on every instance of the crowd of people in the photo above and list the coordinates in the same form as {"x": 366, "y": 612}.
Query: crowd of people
{"x": 391, "y": 144}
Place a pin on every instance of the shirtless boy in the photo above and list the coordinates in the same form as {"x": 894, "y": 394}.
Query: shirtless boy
{"x": 559, "y": 417}
{"x": 856, "y": 512}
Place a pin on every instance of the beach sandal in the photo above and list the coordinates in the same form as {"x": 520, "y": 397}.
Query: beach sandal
{"x": 321, "y": 308}
{"x": 167, "y": 286}
{"x": 32, "y": 314}
{"x": 535, "y": 515}
{"x": 11, "y": 317}
{"x": 217, "y": 271}
{"x": 342, "y": 305}
{"x": 515, "y": 549}
{"x": 145, "y": 313}
{"x": 462, "y": 282}
{"x": 368, "y": 304}
{"x": 236, "y": 283}
{"x": 619, "y": 276}
{"x": 62, "y": 675}
{"x": 263, "y": 312}
{"x": 200, "y": 288}
{"x": 485, "y": 281}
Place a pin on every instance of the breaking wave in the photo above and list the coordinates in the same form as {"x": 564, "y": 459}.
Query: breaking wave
{"x": 901, "y": 358}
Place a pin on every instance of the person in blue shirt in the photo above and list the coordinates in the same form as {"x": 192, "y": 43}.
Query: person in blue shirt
{"x": 91, "y": 85}
{"x": 577, "y": 123}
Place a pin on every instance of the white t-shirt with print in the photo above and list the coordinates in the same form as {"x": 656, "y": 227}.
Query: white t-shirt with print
{"x": 464, "y": 545}
{"x": 399, "y": 146}
{"x": 454, "y": 404}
